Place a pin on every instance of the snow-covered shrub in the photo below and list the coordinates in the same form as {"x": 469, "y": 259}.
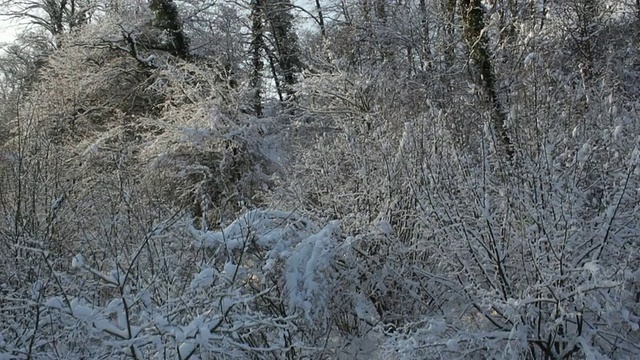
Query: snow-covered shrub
{"x": 260, "y": 288}
{"x": 298, "y": 268}
{"x": 536, "y": 258}
{"x": 206, "y": 156}
{"x": 487, "y": 257}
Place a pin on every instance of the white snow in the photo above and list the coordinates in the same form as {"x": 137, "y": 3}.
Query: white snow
{"x": 365, "y": 310}
{"x": 304, "y": 270}
{"x": 531, "y": 57}
{"x": 80, "y": 311}
{"x": 635, "y": 156}
{"x": 617, "y": 131}
{"x": 584, "y": 153}
{"x": 232, "y": 271}
{"x": 55, "y": 303}
{"x": 266, "y": 228}
{"x": 591, "y": 266}
{"x": 203, "y": 279}
{"x": 77, "y": 261}
{"x": 385, "y": 227}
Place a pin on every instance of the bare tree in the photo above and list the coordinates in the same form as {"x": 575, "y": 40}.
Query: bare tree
{"x": 56, "y": 16}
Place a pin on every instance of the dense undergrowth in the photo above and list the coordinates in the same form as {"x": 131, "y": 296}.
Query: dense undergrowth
{"x": 370, "y": 209}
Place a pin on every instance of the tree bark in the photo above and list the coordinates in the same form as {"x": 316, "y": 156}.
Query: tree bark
{"x": 278, "y": 14}
{"x": 426, "y": 48}
{"x": 257, "y": 45}
{"x": 323, "y": 31}
{"x": 473, "y": 19}
{"x": 168, "y": 19}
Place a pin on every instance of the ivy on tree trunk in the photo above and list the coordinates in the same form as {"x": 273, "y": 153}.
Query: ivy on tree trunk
{"x": 473, "y": 19}
{"x": 168, "y": 19}
{"x": 257, "y": 45}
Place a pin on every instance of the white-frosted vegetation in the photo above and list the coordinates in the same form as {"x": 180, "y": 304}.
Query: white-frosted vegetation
{"x": 425, "y": 179}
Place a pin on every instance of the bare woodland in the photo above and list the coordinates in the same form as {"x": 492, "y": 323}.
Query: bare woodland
{"x": 353, "y": 179}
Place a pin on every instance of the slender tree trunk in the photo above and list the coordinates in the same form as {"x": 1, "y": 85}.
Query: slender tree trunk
{"x": 426, "y": 48}
{"x": 449, "y": 18}
{"x": 168, "y": 19}
{"x": 543, "y": 14}
{"x": 323, "y": 31}
{"x": 381, "y": 10}
{"x": 257, "y": 45}
{"x": 79, "y": 15}
{"x": 274, "y": 72}
{"x": 366, "y": 11}
{"x": 278, "y": 14}
{"x": 589, "y": 16}
{"x": 473, "y": 19}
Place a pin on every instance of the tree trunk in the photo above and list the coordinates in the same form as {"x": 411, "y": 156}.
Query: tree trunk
{"x": 449, "y": 19}
{"x": 426, "y": 48}
{"x": 257, "y": 45}
{"x": 168, "y": 19}
{"x": 473, "y": 19}
{"x": 278, "y": 14}
{"x": 323, "y": 31}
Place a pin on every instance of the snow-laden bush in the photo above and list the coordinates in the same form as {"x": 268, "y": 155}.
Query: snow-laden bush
{"x": 262, "y": 287}
{"x": 534, "y": 258}
{"x": 305, "y": 270}
{"x": 482, "y": 256}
